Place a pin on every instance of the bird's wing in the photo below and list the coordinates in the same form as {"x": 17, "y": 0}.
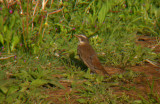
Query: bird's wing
{"x": 95, "y": 61}
{"x": 97, "y": 65}
{"x": 85, "y": 55}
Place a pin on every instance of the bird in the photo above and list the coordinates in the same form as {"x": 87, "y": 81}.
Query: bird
{"x": 88, "y": 55}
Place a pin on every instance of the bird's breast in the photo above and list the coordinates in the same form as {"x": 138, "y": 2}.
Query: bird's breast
{"x": 86, "y": 49}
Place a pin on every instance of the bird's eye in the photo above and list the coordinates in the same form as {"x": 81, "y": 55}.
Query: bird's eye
{"x": 82, "y": 39}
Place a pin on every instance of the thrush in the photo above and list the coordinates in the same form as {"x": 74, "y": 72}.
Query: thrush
{"x": 89, "y": 56}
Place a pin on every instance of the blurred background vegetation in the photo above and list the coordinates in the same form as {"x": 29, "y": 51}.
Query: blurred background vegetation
{"x": 39, "y": 34}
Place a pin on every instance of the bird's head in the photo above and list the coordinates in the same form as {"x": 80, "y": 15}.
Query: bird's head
{"x": 82, "y": 38}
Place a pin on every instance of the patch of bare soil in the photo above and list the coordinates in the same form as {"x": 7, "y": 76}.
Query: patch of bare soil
{"x": 142, "y": 85}
{"x": 62, "y": 96}
{"x": 150, "y": 42}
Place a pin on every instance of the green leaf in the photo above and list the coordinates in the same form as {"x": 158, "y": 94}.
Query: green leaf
{"x": 12, "y": 90}
{"x": 2, "y": 98}
{"x": 5, "y": 28}
{"x": 8, "y": 36}
{"x": 102, "y": 14}
{"x": 2, "y": 75}
{"x": 10, "y": 99}
{"x": 15, "y": 42}
{"x": 6, "y": 82}
{"x": 81, "y": 100}
{"x": 38, "y": 82}
{"x": 138, "y": 101}
{"x": 1, "y": 23}
{"x": 12, "y": 22}
{"x": 24, "y": 86}
{"x": 1, "y": 39}
{"x": 57, "y": 84}
{"x": 3, "y": 89}
{"x": 35, "y": 48}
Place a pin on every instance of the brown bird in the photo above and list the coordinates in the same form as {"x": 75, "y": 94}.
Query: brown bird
{"x": 89, "y": 56}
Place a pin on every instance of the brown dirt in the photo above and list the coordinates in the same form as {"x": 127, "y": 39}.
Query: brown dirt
{"x": 140, "y": 86}
{"x": 62, "y": 96}
{"x": 150, "y": 42}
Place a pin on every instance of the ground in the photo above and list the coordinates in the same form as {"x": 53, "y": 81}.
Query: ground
{"x": 140, "y": 86}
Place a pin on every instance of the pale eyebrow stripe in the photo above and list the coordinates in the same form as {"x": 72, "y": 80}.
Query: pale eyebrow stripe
{"x": 83, "y": 36}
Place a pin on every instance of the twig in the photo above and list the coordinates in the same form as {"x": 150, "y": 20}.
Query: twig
{"x": 152, "y": 63}
{"x": 35, "y": 8}
{"x": 52, "y": 2}
{"x": 70, "y": 81}
{"x": 55, "y": 11}
{"x": 34, "y": 13}
{"x": 4, "y": 58}
{"x": 44, "y": 4}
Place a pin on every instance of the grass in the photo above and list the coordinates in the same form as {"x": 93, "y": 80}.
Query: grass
{"x": 41, "y": 39}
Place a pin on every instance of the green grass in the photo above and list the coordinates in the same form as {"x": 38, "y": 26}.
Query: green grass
{"x": 44, "y": 45}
